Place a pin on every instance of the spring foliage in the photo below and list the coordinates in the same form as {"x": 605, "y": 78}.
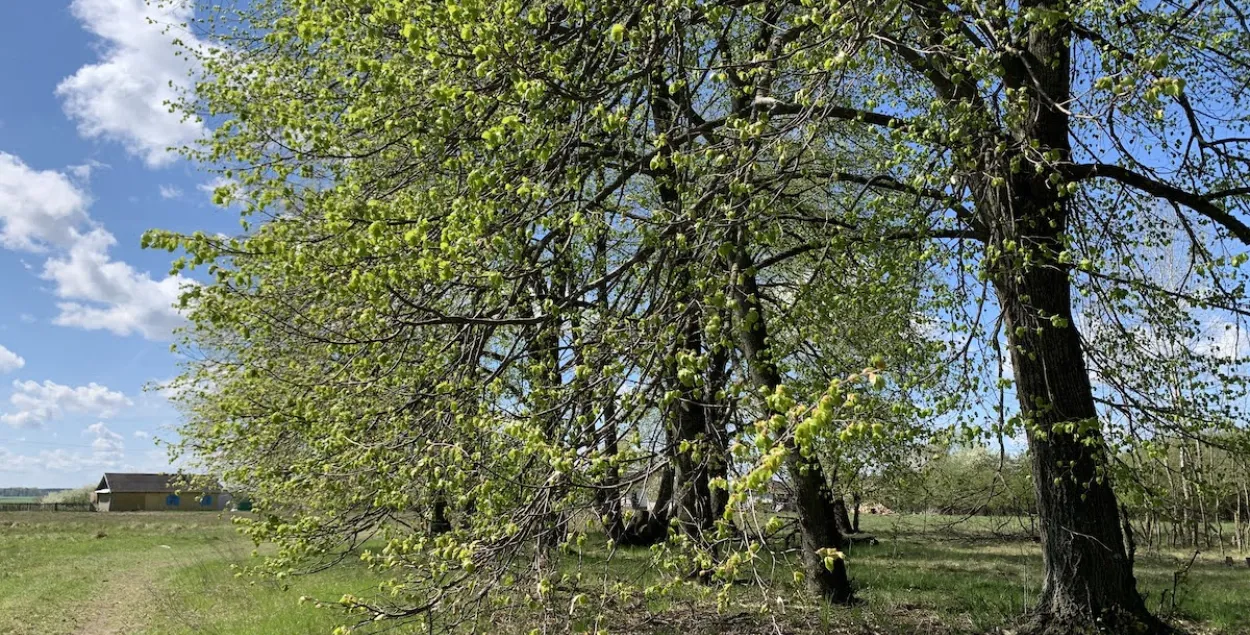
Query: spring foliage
{"x": 498, "y": 258}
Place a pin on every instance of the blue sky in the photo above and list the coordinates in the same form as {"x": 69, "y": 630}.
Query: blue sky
{"x": 86, "y": 316}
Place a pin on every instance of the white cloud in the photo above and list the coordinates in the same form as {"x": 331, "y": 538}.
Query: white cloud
{"x": 12, "y": 462}
{"x": 106, "y": 442}
{"x": 1223, "y": 340}
{"x": 170, "y": 192}
{"x": 38, "y": 208}
{"x": 124, "y": 96}
{"x": 65, "y": 461}
{"x": 27, "y": 318}
{"x": 104, "y": 294}
{"x": 45, "y": 211}
{"x": 142, "y": 434}
{"x": 211, "y": 186}
{"x": 172, "y": 389}
{"x": 108, "y": 452}
{"x": 83, "y": 171}
{"x": 35, "y": 403}
{"x": 59, "y": 460}
{"x": 10, "y": 361}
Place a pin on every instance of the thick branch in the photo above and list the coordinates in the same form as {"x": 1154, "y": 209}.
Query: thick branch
{"x": 775, "y": 107}
{"x": 1204, "y": 205}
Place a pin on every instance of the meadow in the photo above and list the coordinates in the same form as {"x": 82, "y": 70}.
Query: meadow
{"x": 169, "y": 574}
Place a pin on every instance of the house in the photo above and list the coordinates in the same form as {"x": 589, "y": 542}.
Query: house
{"x": 778, "y": 497}
{"x": 120, "y": 492}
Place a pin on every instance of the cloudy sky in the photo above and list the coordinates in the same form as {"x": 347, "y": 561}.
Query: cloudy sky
{"x": 85, "y": 315}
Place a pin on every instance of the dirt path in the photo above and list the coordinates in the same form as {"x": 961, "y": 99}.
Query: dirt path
{"x": 128, "y": 597}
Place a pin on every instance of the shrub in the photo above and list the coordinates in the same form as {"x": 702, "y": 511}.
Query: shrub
{"x": 77, "y": 495}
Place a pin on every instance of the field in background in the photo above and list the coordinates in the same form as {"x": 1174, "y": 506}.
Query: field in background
{"x": 158, "y": 573}
{"x": 168, "y": 573}
{"x": 19, "y": 499}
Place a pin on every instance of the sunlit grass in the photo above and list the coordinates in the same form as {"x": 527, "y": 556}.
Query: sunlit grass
{"x": 169, "y": 573}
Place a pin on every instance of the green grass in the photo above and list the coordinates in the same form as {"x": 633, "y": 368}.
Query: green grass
{"x": 207, "y": 597}
{"x": 985, "y": 572}
{"x": 19, "y": 499}
{"x": 134, "y": 573}
{"x": 169, "y": 574}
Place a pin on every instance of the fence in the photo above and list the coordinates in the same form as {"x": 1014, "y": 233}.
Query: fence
{"x": 45, "y": 507}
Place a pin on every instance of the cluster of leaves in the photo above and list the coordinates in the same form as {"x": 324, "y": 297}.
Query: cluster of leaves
{"x": 487, "y": 261}
{"x": 501, "y": 262}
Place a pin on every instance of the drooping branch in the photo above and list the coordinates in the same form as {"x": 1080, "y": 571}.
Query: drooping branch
{"x": 776, "y": 107}
{"x": 1202, "y": 204}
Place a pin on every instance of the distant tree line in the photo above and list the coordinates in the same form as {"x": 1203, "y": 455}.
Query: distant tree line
{"x": 32, "y": 492}
{"x": 1178, "y": 495}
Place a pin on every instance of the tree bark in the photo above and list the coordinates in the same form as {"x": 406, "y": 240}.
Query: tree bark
{"x": 1088, "y": 576}
{"x": 543, "y": 348}
{"x": 649, "y": 526}
{"x": 717, "y": 413}
{"x": 1089, "y": 583}
{"x": 694, "y": 496}
{"x": 689, "y": 428}
{"x": 689, "y": 425}
{"x": 813, "y": 499}
{"x": 439, "y": 524}
{"x": 608, "y": 496}
{"x": 841, "y": 517}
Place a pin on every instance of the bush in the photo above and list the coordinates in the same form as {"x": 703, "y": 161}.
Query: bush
{"x": 77, "y": 495}
{"x": 964, "y": 481}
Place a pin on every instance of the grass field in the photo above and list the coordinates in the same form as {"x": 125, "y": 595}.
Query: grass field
{"x": 19, "y": 499}
{"x": 168, "y": 574}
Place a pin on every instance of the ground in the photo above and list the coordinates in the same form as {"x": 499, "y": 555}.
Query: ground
{"x": 168, "y": 573}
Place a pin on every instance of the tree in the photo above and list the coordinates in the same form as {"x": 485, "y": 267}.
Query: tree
{"x": 446, "y": 177}
{"x": 981, "y": 106}
{"x": 421, "y": 194}
{"x": 79, "y": 495}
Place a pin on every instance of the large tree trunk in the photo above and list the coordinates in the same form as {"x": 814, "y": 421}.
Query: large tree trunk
{"x": 717, "y": 413}
{"x": 646, "y": 527}
{"x": 608, "y": 498}
{"x": 689, "y": 433}
{"x": 813, "y": 499}
{"x": 439, "y": 524}
{"x": 649, "y": 526}
{"x": 688, "y": 422}
{"x": 543, "y": 349}
{"x": 841, "y": 516}
{"x": 694, "y": 496}
{"x": 1089, "y": 580}
{"x": 1088, "y": 576}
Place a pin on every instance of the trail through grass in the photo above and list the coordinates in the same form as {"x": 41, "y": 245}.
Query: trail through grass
{"x": 67, "y": 573}
{"x": 84, "y": 573}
